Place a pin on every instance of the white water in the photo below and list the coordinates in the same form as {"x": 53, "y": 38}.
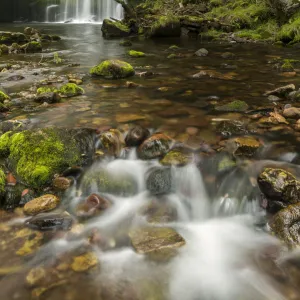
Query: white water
{"x": 83, "y": 11}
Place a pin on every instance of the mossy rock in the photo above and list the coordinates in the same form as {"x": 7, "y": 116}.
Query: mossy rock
{"x": 234, "y": 106}
{"x": 245, "y": 146}
{"x": 3, "y": 97}
{"x": 113, "y": 69}
{"x": 46, "y": 89}
{"x": 114, "y": 29}
{"x": 280, "y": 187}
{"x": 32, "y": 47}
{"x": 159, "y": 243}
{"x": 70, "y": 90}
{"x": 112, "y": 142}
{"x": 12, "y": 37}
{"x": 3, "y": 107}
{"x": 4, "y": 49}
{"x": 36, "y": 155}
{"x": 165, "y": 26}
{"x": 103, "y": 181}
{"x": 126, "y": 43}
{"x": 177, "y": 157}
{"x": 134, "y": 53}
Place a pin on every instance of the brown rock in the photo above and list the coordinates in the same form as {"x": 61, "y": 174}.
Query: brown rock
{"x": 291, "y": 112}
{"x": 61, "y": 183}
{"x": 42, "y": 204}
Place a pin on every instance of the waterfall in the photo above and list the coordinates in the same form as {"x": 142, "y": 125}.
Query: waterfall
{"x": 83, "y": 11}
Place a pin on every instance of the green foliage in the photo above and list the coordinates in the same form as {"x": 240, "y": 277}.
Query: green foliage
{"x": 290, "y": 32}
{"x": 3, "y": 97}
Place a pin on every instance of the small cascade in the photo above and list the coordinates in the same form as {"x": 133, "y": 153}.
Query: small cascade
{"x": 82, "y": 11}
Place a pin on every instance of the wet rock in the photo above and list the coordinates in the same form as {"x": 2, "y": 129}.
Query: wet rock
{"x": 126, "y": 43}
{"x": 113, "y": 69}
{"x": 131, "y": 84}
{"x": 246, "y": 146}
{"x": 15, "y": 78}
{"x": 104, "y": 181}
{"x": 136, "y": 136}
{"x": 92, "y": 206}
{"x": 274, "y": 119}
{"x": 112, "y": 142}
{"x": 212, "y": 74}
{"x": 291, "y": 112}
{"x": 48, "y": 98}
{"x": 155, "y": 146}
{"x": 229, "y": 128}
{"x": 280, "y": 188}
{"x": 3, "y": 108}
{"x": 285, "y": 225}
{"x": 111, "y": 29}
{"x": 159, "y": 243}
{"x": 50, "y": 221}
{"x": 234, "y": 106}
{"x": 30, "y": 31}
{"x": 12, "y": 196}
{"x": 201, "y": 52}
{"x": 228, "y": 55}
{"x": 12, "y": 37}
{"x": 70, "y": 90}
{"x": 177, "y": 157}
{"x": 282, "y": 91}
{"x": 297, "y": 125}
{"x": 62, "y": 183}
{"x": 136, "y": 54}
{"x": 159, "y": 181}
{"x": 294, "y": 96}
{"x": 31, "y": 47}
{"x": 273, "y": 98}
{"x": 26, "y": 196}
{"x": 74, "y": 172}
{"x": 164, "y": 26}
{"x": 42, "y": 204}
{"x": 84, "y": 262}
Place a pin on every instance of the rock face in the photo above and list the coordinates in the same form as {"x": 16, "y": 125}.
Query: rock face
{"x": 280, "y": 188}
{"x": 165, "y": 27}
{"x": 158, "y": 243}
{"x": 42, "y": 204}
{"x": 36, "y": 155}
{"x": 159, "y": 181}
{"x": 155, "y": 146}
{"x": 136, "y": 136}
{"x": 113, "y": 69}
{"x": 113, "y": 29}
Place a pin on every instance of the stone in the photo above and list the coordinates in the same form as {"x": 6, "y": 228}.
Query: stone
{"x": 228, "y": 55}
{"x": 297, "y": 125}
{"x": 113, "y": 69}
{"x": 136, "y": 136}
{"x": 155, "y": 146}
{"x": 159, "y": 181}
{"x": 165, "y": 26}
{"x": 159, "y": 243}
{"x": 126, "y": 43}
{"x": 177, "y": 157}
{"x": 234, "y": 106}
{"x": 136, "y": 54}
{"x": 274, "y": 119}
{"x": 112, "y": 142}
{"x": 273, "y": 98}
{"x": 212, "y": 74}
{"x": 280, "y": 187}
{"x": 291, "y": 112}
{"x": 229, "y": 128}
{"x": 125, "y": 118}
{"x": 245, "y": 146}
{"x": 112, "y": 29}
{"x": 31, "y": 47}
{"x": 282, "y": 91}
{"x": 201, "y": 52}
{"x": 48, "y": 98}
{"x": 44, "y": 203}
{"x": 50, "y": 221}
{"x": 84, "y": 262}
{"x": 62, "y": 183}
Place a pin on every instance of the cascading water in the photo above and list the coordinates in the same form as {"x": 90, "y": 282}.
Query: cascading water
{"x": 83, "y": 11}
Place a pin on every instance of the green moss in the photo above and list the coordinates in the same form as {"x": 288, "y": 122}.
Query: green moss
{"x": 126, "y": 43}
{"x": 46, "y": 89}
{"x": 287, "y": 65}
{"x": 113, "y": 69}
{"x": 290, "y": 32}
{"x": 237, "y": 105}
{"x": 32, "y": 47}
{"x": 4, "y": 49}
{"x": 249, "y": 34}
{"x": 70, "y": 89}
{"x": 3, "y": 107}
{"x": 3, "y": 97}
{"x": 134, "y": 53}
{"x": 174, "y": 47}
{"x": 171, "y": 56}
{"x": 118, "y": 25}
{"x": 2, "y": 181}
{"x": 37, "y": 155}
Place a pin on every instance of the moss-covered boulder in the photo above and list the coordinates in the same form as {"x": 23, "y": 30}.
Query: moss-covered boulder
{"x": 137, "y": 54}
{"x": 36, "y": 155}
{"x": 101, "y": 180}
{"x": 177, "y": 157}
{"x": 114, "y": 29}
{"x": 113, "y": 69}
{"x": 32, "y": 47}
{"x": 165, "y": 26}
{"x": 42, "y": 204}
{"x": 155, "y": 146}
{"x": 159, "y": 243}
{"x": 3, "y": 97}
{"x": 12, "y": 37}
{"x": 280, "y": 187}
{"x": 70, "y": 90}
{"x": 234, "y": 106}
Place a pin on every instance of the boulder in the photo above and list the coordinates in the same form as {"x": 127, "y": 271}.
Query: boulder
{"x": 177, "y": 157}
{"x": 201, "y": 52}
{"x": 111, "y": 142}
{"x": 32, "y": 47}
{"x": 48, "y": 98}
{"x": 280, "y": 188}
{"x": 136, "y": 136}
{"x": 114, "y": 29}
{"x": 36, "y": 155}
{"x": 12, "y": 37}
{"x": 113, "y": 69}
{"x": 44, "y": 203}
{"x": 159, "y": 181}
{"x": 165, "y": 26}
{"x": 155, "y": 146}
{"x": 159, "y": 243}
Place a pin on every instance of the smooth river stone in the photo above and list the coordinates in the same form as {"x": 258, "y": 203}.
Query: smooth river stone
{"x": 44, "y": 203}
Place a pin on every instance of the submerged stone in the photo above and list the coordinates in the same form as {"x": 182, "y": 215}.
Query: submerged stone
{"x": 42, "y": 204}
{"x": 159, "y": 243}
{"x": 159, "y": 181}
{"x": 234, "y": 106}
{"x": 280, "y": 187}
{"x": 126, "y": 43}
{"x": 113, "y": 69}
{"x": 84, "y": 262}
{"x": 111, "y": 29}
{"x": 244, "y": 146}
{"x": 155, "y": 146}
{"x": 282, "y": 91}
